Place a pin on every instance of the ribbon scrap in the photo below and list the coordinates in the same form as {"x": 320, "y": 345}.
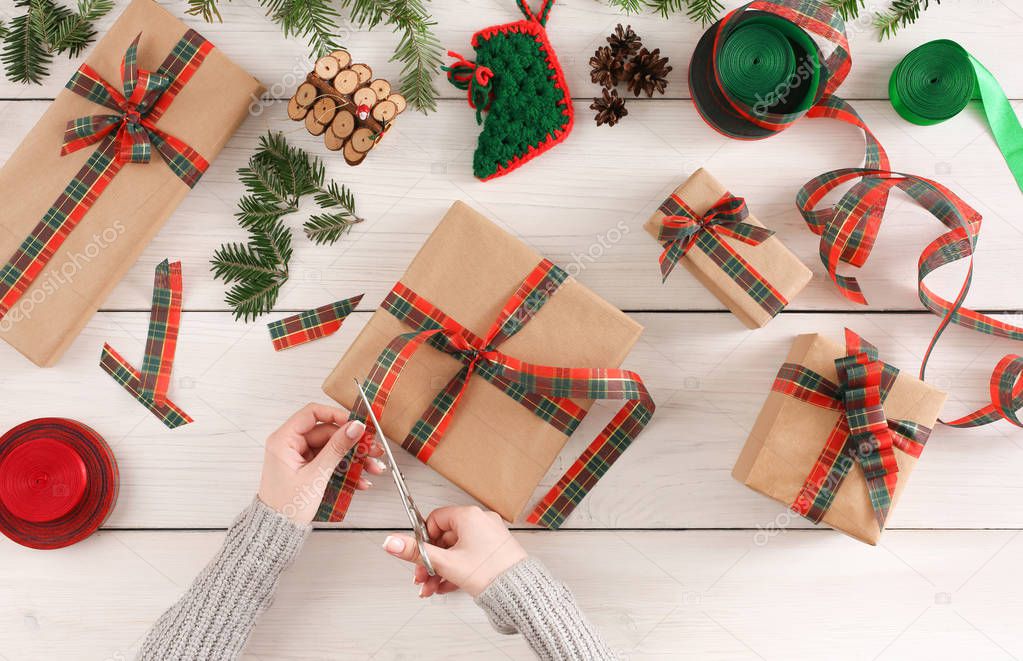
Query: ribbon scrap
{"x": 150, "y": 385}
{"x": 312, "y": 324}
{"x": 862, "y": 435}
{"x": 129, "y": 136}
{"x": 682, "y": 228}
{"x": 543, "y": 390}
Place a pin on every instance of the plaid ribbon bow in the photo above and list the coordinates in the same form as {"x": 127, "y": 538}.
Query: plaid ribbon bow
{"x": 543, "y": 390}
{"x": 682, "y": 228}
{"x": 862, "y": 435}
{"x": 129, "y": 136}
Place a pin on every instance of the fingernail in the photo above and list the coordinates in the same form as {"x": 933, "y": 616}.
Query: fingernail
{"x": 379, "y": 464}
{"x": 355, "y": 430}
{"x": 394, "y": 545}
{"x": 421, "y": 588}
{"x": 364, "y": 483}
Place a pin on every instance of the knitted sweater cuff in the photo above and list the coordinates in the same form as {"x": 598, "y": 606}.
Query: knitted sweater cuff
{"x": 275, "y": 538}
{"x": 528, "y": 600}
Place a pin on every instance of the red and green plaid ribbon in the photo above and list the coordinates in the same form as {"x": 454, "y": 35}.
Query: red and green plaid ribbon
{"x": 862, "y": 436}
{"x": 682, "y": 228}
{"x": 848, "y": 232}
{"x": 129, "y": 136}
{"x": 543, "y": 390}
{"x": 311, "y": 324}
{"x": 150, "y": 385}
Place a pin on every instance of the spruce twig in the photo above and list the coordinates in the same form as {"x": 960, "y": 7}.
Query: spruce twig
{"x": 329, "y": 227}
{"x": 704, "y": 12}
{"x": 899, "y": 15}
{"x": 47, "y": 28}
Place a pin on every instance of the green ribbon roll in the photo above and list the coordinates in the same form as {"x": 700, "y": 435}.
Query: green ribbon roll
{"x": 935, "y": 81}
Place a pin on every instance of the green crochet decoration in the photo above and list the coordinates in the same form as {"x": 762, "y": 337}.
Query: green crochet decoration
{"x": 518, "y": 90}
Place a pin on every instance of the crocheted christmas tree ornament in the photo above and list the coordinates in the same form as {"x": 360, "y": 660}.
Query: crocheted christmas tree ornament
{"x": 517, "y": 83}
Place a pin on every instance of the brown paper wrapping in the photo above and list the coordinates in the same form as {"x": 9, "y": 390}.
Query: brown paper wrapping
{"x": 495, "y": 449}
{"x": 771, "y": 258}
{"x": 139, "y": 199}
{"x": 789, "y": 435}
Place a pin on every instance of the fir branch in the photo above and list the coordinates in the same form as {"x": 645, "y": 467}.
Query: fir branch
{"x": 25, "y": 56}
{"x": 848, "y": 9}
{"x": 209, "y": 10}
{"x": 329, "y": 227}
{"x": 703, "y": 11}
{"x": 313, "y": 19}
{"x": 627, "y": 6}
{"x": 74, "y": 32}
{"x": 899, "y": 15}
{"x": 234, "y": 262}
{"x": 46, "y": 28}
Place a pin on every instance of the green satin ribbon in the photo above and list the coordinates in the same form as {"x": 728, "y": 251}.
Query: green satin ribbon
{"x": 760, "y": 60}
{"x": 935, "y": 81}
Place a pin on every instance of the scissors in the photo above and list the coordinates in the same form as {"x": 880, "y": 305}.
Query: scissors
{"x": 414, "y": 516}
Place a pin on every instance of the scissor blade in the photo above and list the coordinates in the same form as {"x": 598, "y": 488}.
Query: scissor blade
{"x": 376, "y": 425}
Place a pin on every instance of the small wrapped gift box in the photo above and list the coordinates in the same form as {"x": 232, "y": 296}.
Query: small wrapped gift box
{"x": 455, "y": 362}
{"x": 104, "y": 167}
{"x": 839, "y": 435}
{"x": 713, "y": 234}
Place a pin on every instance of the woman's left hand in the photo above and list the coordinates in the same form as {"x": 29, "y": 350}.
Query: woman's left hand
{"x": 302, "y": 455}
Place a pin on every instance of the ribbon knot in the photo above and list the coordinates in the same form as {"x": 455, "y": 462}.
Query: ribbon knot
{"x": 859, "y": 376}
{"x": 681, "y": 228}
{"x": 474, "y": 79}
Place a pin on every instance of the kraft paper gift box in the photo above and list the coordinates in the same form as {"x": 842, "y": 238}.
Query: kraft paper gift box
{"x": 495, "y": 449}
{"x": 781, "y": 455}
{"x": 140, "y": 197}
{"x": 770, "y": 275}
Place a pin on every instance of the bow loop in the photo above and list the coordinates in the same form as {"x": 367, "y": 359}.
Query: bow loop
{"x": 474, "y": 79}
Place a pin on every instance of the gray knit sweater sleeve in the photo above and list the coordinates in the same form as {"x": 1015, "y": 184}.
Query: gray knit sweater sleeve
{"x": 213, "y": 619}
{"x": 528, "y": 600}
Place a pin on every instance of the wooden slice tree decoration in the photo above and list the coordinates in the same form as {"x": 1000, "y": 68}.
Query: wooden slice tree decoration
{"x": 347, "y": 106}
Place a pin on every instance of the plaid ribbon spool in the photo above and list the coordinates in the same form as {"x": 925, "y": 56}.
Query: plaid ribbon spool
{"x": 312, "y": 324}
{"x": 682, "y": 228}
{"x": 862, "y": 435}
{"x": 150, "y": 385}
{"x": 543, "y": 390}
{"x": 848, "y": 231}
{"x": 129, "y": 136}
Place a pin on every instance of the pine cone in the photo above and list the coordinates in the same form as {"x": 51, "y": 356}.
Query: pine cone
{"x": 605, "y": 69}
{"x": 624, "y": 42}
{"x": 647, "y": 72}
{"x": 610, "y": 108}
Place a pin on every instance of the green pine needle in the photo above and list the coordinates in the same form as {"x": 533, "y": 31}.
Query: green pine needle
{"x": 276, "y": 178}
{"x": 207, "y": 9}
{"x": 74, "y": 32}
{"x": 848, "y": 9}
{"x": 899, "y": 15}
{"x": 703, "y": 11}
{"x": 47, "y": 28}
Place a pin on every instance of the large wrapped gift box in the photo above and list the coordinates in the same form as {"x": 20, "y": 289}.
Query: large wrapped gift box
{"x": 208, "y": 96}
{"x": 495, "y": 448}
{"x": 723, "y": 245}
{"x": 819, "y": 433}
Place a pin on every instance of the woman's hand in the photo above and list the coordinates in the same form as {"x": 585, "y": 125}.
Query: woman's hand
{"x": 301, "y": 456}
{"x": 470, "y": 549}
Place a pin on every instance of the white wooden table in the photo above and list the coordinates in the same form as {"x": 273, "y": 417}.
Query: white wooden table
{"x": 669, "y": 556}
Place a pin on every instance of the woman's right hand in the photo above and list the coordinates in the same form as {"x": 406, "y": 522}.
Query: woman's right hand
{"x": 470, "y": 549}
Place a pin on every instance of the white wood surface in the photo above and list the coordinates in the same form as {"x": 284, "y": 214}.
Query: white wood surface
{"x": 675, "y": 560}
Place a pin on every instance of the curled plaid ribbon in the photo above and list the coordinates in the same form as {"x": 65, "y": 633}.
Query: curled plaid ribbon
{"x": 129, "y": 136}
{"x": 862, "y": 435}
{"x": 848, "y": 231}
{"x": 543, "y": 390}
{"x": 682, "y": 228}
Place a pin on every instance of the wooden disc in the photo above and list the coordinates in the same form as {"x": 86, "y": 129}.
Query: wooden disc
{"x": 365, "y": 96}
{"x": 343, "y": 58}
{"x": 331, "y": 141}
{"x": 399, "y": 101}
{"x": 385, "y": 111}
{"x": 327, "y": 67}
{"x": 381, "y": 87}
{"x": 296, "y": 111}
{"x": 324, "y": 109}
{"x": 352, "y": 157}
{"x": 343, "y": 124}
{"x": 362, "y": 140}
{"x": 346, "y": 81}
{"x": 305, "y": 94}
{"x": 314, "y": 126}
{"x": 364, "y": 71}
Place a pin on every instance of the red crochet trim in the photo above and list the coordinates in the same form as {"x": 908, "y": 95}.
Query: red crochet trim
{"x": 532, "y": 27}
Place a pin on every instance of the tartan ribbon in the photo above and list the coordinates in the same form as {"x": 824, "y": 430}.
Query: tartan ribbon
{"x": 149, "y": 386}
{"x": 128, "y": 136}
{"x": 682, "y": 228}
{"x": 543, "y": 390}
{"x": 311, "y": 324}
{"x": 863, "y": 434}
{"x": 848, "y": 230}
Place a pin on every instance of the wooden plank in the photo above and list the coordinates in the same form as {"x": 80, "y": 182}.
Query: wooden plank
{"x": 707, "y": 373}
{"x": 577, "y": 27}
{"x": 653, "y": 595}
{"x": 584, "y": 203}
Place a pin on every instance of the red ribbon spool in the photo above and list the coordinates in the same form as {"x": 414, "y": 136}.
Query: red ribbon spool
{"x": 58, "y": 483}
